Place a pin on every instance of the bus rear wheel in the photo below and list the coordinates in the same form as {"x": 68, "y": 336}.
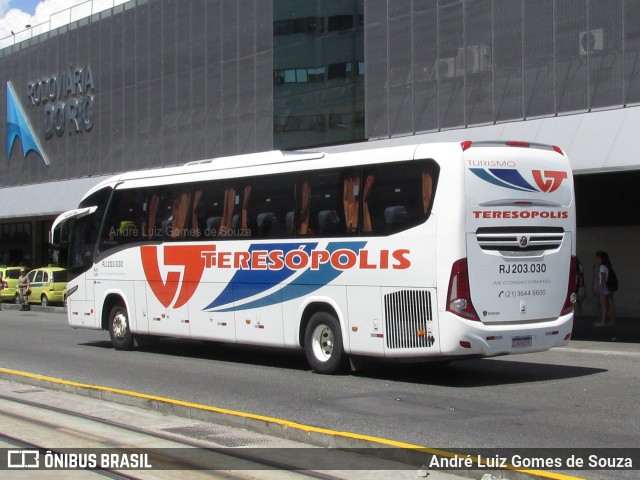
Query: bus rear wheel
{"x": 119, "y": 328}
{"x": 323, "y": 344}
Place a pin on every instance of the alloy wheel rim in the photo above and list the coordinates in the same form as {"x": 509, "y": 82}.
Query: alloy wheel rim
{"x": 120, "y": 325}
{"x": 323, "y": 342}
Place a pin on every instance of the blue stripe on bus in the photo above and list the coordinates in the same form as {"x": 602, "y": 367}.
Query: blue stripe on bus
{"x": 308, "y": 282}
{"x": 257, "y": 281}
{"x": 504, "y": 177}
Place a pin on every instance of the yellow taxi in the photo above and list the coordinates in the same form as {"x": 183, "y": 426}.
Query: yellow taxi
{"x": 9, "y": 278}
{"x": 48, "y": 285}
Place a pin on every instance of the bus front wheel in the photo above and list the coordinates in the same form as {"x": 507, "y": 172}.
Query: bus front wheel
{"x": 323, "y": 344}
{"x": 119, "y": 328}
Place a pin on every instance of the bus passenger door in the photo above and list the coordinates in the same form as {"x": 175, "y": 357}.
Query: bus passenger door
{"x": 141, "y": 314}
{"x": 83, "y": 309}
{"x": 91, "y": 281}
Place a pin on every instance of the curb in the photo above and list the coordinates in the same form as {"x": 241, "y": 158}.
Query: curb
{"x": 35, "y": 308}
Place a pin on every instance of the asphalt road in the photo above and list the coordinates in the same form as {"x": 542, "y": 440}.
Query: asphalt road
{"x": 562, "y": 398}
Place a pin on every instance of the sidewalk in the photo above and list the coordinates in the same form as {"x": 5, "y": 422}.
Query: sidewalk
{"x": 64, "y": 419}
{"x": 625, "y": 330}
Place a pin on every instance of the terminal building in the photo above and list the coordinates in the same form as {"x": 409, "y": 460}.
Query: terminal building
{"x": 137, "y": 84}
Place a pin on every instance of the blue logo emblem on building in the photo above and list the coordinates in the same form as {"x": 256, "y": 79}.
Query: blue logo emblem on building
{"x": 19, "y": 127}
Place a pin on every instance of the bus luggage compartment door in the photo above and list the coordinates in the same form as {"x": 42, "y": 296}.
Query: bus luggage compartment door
{"x": 365, "y": 327}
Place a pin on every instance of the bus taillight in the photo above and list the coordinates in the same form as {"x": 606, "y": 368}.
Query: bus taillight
{"x": 571, "y": 289}
{"x": 459, "y": 296}
{"x": 518, "y": 144}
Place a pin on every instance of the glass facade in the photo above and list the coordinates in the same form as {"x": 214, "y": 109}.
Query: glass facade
{"x": 438, "y": 64}
{"x": 171, "y": 81}
{"x": 179, "y": 81}
{"x": 318, "y": 76}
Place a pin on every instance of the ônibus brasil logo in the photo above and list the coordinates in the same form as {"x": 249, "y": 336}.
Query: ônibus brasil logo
{"x": 265, "y": 274}
{"x": 546, "y": 181}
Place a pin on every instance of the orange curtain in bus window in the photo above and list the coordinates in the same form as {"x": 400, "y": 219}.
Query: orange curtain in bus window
{"x": 305, "y": 207}
{"x": 427, "y": 188}
{"x": 180, "y": 213}
{"x": 154, "y": 200}
{"x": 366, "y": 215}
{"x": 350, "y": 201}
{"x": 245, "y": 206}
{"x": 229, "y": 207}
{"x": 195, "y": 227}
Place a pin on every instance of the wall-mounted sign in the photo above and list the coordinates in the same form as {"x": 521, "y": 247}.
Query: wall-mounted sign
{"x": 67, "y": 101}
{"x": 19, "y": 127}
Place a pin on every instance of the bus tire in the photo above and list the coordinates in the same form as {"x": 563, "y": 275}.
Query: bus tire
{"x": 120, "y": 329}
{"x": 323, "y": 344}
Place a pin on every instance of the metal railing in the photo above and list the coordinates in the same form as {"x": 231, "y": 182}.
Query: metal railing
{"x": 60, "y": 19}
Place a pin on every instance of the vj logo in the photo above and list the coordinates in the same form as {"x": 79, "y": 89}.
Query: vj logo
{"x": 551, "y": 181}
{"x": 191, "y": 262}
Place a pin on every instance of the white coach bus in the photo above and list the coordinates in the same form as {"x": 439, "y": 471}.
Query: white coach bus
{"x": 434, "y": 251}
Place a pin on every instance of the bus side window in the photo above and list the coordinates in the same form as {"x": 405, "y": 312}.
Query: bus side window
{"x": 123, "y": 220}
{"x": 397, "y": 196}
{"x": 164, "y": 220}
{"x": 395, "y": 217}
{"x": 266, "y": 224}
{"x": 328, "y": 222}
{"x": 351, "y": 201}
{"x": 329, "y": 203}
{"x": 214, "y": 209}
{"x": 180, "y": 214}
{"x": 290, "y": 222}
{"x": 268, "y": 206}
{"x": 172, "y": 213}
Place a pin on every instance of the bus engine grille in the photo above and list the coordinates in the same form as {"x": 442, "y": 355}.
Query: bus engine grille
{"x": 518, "y": 239}
{"x": 407, "y": 319}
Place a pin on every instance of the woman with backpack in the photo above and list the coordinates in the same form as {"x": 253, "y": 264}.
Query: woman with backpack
{"x": 603, "y": 288}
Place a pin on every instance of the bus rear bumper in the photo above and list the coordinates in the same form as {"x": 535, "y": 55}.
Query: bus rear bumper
{"x": 464, "y": 337}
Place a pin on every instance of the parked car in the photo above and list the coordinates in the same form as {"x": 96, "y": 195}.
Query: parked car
{"x": 48, "y": 285}
{"x": 9, "y": 277}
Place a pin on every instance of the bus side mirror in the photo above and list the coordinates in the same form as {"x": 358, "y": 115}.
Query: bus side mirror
{"x": 59, "y": 232}
{"x": 55, "y": 236}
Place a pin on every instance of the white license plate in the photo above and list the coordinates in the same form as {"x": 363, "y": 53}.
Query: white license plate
{"x": 519, "y": 342}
